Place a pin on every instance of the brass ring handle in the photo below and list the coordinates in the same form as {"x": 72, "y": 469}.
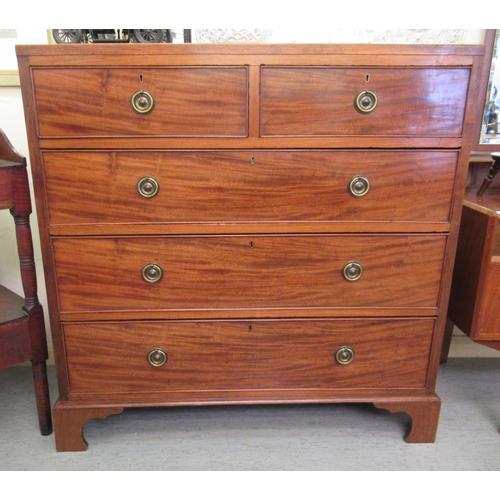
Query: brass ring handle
{"x": 152, "y": 273}
{"x": 359, "y": 186}
{"x": 352, "y": 271}
{"x": 148, "y": 187}
{"x": 142, "y": 102}
{"x": 366, "y": 101}
{"x": 157, "y": 357}
{"x": 344, "y": 355}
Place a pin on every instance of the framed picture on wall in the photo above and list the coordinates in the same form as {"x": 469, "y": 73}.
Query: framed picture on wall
{"x": 9, "y": 38}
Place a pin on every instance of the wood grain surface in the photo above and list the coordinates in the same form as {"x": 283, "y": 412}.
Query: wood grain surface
{"x": 468, "y": 276}
{"x": 246, "y": 186}
{"x": 320, "y": 101}
{"x": 475, "y": 292}
{"x": 103, "y": 274}
{"x": 96, "y": 102}
{"x": 489, "y": 322}
{"x": 229, "y": 355}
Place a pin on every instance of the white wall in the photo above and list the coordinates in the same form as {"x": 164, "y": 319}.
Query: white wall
{"x": 13, "y": 124}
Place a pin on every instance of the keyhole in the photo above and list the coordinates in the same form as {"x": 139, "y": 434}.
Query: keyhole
{"x": 249, "y": 328}
{"x": 252, "y": 160}
{"x": 251, "y": 244}
{"x": 367, "y": 78}
{"x": 141, "y": 79}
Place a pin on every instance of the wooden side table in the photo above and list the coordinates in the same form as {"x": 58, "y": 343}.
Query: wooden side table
{"x": 22, "y": 327}
{"x": 475, "y": 294}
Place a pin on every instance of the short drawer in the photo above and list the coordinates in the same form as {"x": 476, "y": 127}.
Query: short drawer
{"x": 241, "y": 355}
{"x": 248, "y": 272}
{"x": 169, "y": 102}
{"x": 242, "y": 186}
{"x": 321, "y": 101}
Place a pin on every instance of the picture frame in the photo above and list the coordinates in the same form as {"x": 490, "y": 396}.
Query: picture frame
{"x": 9, "y": 38}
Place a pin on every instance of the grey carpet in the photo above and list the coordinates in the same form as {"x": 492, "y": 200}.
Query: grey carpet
{"x": 293, "y": 437}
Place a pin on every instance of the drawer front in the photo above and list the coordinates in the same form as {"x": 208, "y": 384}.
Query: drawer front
{"x": 214, "y": 186}
{"x": 321, "y": 101}
{"x": 194, "y": 102}
{"x": 245, "y": 272}
{"x": 231, "y": 355}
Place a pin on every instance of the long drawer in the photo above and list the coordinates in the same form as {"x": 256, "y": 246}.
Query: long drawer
{"x": 321, "y": 101}
{"x": 245, "y": 272}
{"x": 170, "y": 102}
{"x": 192, "y": 186}
{"x": 227, "y": 355}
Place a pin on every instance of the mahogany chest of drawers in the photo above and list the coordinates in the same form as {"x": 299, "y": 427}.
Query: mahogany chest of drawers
{"x": 226, "y": 224}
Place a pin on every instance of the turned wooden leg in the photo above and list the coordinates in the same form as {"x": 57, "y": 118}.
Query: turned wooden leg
{"x": 69, "y": 421}
{"x": 424, "y": 415}
{"x": 42, "y": 396}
